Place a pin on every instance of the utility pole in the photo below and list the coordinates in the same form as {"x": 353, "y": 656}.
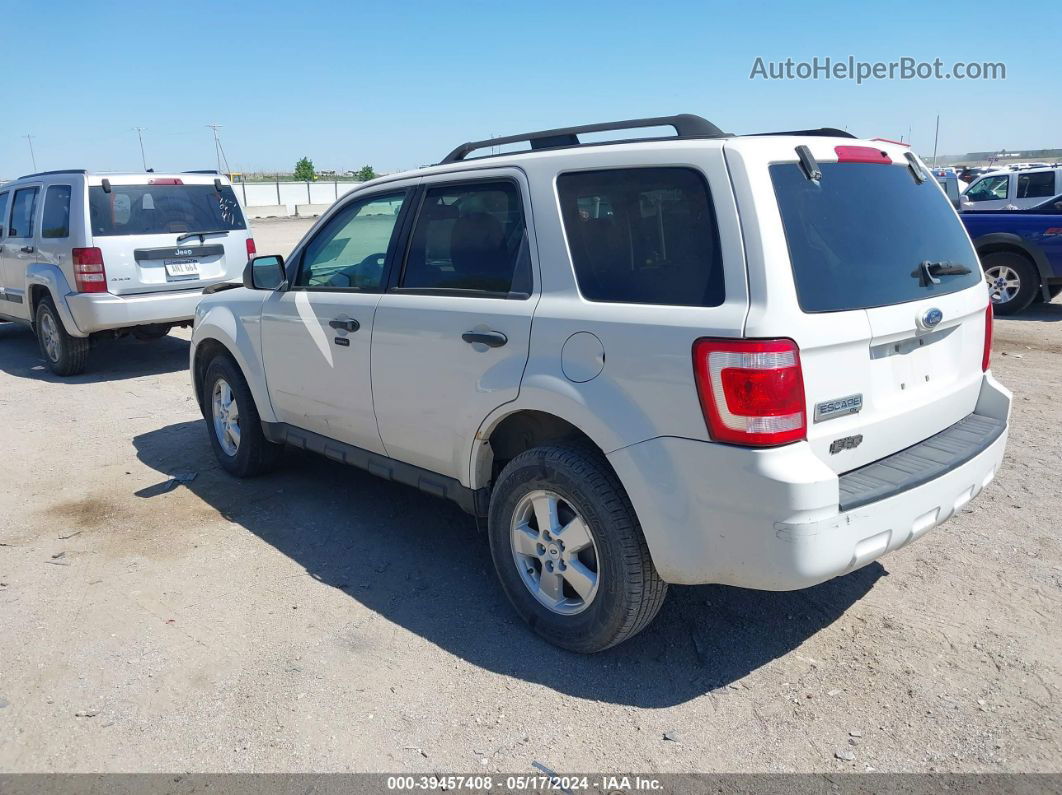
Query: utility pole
{"x": 936, "y": 136}
{"x": 140, "y": 135}
{"x": 33, "y": 157}
{"x": 217, "y": 144}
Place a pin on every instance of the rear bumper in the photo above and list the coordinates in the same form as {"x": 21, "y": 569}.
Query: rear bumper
{"x": 101, "y": 311}
{"x": 771, "y": 519}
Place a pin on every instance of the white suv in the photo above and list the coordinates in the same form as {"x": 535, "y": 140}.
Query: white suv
{"x": 760, "y": 361}
{"x": 84, "y": 254}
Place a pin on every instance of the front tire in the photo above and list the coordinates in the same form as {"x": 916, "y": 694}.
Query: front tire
{"x": 65, "y": 354}
{"x": 233, "y": 423}
{"x": 569, "y": 551}
{"x": 1013, "y": 282}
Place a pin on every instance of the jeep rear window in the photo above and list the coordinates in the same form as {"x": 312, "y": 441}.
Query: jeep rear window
{"x": 643, "y": 236}
{"x": 162, "y": 209}
{"x": 857, "y": 237}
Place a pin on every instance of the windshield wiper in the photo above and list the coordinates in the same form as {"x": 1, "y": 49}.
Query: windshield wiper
{"x": 201, "y": 235}
{"x": 928, "y": 271}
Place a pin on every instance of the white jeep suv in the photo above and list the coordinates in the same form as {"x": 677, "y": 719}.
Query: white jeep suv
{"x": 760, "y": 360}
{"x": 86, "y": 254}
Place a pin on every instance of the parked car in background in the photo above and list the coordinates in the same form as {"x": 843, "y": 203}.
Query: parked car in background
{"x": 950, "y": 182}
{"x": 1020, "y": 251}
{"x": 969, "y": 173}
{"x": 85, "y": 254}
{"x": 1011, "y": 189}
{"x": 754, "y": 360}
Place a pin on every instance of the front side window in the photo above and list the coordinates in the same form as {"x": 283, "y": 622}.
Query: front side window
{"x": 163, "y": 209}
{"x": 470, "y": 237}
{"x": 23, "y": 211}
{"x": 56, "y": 220}
{"x": 643, "y": 235}
{"x": 989, "y": 189}
{"x": 1036, "y": 186}
{"x": 351, "y": 249}
{"x": 4, "y": 199}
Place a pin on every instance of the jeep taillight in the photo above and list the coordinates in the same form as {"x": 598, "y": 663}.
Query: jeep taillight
{"x": 987, "y": 355}
{"x": 89, "y": 274}
{"x": 751, "y": 391}
{"x": 251, "y": 250}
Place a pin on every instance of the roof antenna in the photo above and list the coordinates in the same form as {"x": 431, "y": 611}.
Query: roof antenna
{"x": 807, "y": 164}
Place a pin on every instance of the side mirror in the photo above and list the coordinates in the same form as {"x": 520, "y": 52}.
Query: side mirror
{"x": 264, "y": 273}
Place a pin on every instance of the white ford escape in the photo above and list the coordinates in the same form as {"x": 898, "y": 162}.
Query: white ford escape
{"x": 760, "y": 361}
{"x": 86, "y": 254}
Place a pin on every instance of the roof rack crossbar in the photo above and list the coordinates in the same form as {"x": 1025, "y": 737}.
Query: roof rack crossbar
{"x": 56, "y": 171}
{"x": 686, "y": 125}
{"x": 823, "y": 132}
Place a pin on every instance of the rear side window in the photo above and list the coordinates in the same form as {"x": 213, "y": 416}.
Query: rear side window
{"x": 56, "y": 220}
{"x": 1035, "y": 186}
{"x": 4, "y": 199}
{"x": 162, "y": 209}
{"x": 643, "y": 235}
{"x": 857, "y": 238}
{"x": 989, "y": 189}
{"x": 23, "y": 211}
{"x": 470, "y": 238}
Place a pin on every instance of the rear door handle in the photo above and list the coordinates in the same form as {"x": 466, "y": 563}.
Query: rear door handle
{"x": 27, "y": 249}
{"x": 493, "y": 339}
{"x": 345, "y": 324}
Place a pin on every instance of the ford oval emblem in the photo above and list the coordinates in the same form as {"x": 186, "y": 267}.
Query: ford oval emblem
{"x": 932, "y": 317}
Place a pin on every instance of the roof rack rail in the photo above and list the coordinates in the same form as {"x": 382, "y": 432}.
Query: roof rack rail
{"x": 56, "y": 171}
{"x": 686, "y": 125}
{"x": 823, "y": 132}
{"x": 202, "y": 171}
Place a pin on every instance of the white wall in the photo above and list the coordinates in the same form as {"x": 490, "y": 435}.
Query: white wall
{"x": 264, "y": 194}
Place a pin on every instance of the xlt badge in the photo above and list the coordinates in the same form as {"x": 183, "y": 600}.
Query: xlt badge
{"x": 841, "y": 407}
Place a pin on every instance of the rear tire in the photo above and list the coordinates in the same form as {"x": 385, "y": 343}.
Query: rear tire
{"x": 1012, "y": 280}
{"x": 233, "y": 423}
{"x": 592, "y": 591}
{"x": 64, "y": 354}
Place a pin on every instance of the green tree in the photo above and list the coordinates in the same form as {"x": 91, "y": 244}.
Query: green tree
{"x": 365, "y": 173}
{"x": 304, "y": 171}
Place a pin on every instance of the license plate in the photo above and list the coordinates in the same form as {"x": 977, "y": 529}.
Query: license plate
{"x": 182, "y": 268}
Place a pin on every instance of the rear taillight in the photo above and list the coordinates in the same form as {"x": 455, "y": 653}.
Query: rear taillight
{"x": 986, "y": 357}
{"x": 751, "y": 391}
{"x": 89, "y": 274}
{"x": 251, "y": 250}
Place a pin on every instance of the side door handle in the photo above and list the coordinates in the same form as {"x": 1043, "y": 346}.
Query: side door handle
{"x": 492, "y": 339}
{"x": 27, "y": 249}
{"x": 345, "y": 324}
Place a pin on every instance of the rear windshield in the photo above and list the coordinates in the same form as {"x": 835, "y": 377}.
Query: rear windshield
{"x": 160, "y": 209}
{"x": 858, "y": 238}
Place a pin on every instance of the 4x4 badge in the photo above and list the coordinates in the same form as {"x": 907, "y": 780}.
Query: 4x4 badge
{"x": 841, "y": 407}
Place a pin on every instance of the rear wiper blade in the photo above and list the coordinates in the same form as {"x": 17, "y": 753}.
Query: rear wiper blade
{"x": 928, "y": 271}
{"x": 201, "y": 235}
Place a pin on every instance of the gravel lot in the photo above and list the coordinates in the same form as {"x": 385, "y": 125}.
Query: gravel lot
{"x": 320, "y": 619}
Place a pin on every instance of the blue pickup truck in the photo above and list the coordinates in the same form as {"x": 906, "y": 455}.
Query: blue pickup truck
{"x": 1020, "y": 251}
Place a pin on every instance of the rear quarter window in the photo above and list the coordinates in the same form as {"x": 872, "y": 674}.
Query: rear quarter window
{"x": 56, "y": 220}
{"x": 858, "y": 236}
{"x": 643, "y": 236}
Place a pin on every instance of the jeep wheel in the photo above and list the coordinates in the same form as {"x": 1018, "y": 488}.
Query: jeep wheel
{"x": 233, "y": 422}
{"x": 1012, "y": 282}
{"x": 569, "y": 551}
{"x": 65, "y": 355}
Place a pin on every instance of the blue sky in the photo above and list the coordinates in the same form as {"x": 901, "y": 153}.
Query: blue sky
{"x": 398, "y": 84}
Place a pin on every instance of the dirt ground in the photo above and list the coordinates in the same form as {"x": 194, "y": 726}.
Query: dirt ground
{"x": 319, "y": 619}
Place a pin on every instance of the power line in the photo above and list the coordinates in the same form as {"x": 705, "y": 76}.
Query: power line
{"x": 140, "y": 135}
{"x": 33, "y": 157}
{"x": 217, "y": 144}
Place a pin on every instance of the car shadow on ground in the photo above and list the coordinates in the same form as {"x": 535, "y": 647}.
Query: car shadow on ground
{"x": 420, "y": 563}
{"x": 109, "y": 360}
{"x": 1050, "y": 313}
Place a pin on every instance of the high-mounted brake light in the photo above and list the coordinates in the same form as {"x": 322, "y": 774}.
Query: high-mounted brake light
{"x": 166, "y": 181}
{"x": 251, "y": 250}
{"x": 751, "y": 391}
{"x": 861, "y": 154}
{"x": 986, "y": 357}
{"x": 89, "y": 273}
